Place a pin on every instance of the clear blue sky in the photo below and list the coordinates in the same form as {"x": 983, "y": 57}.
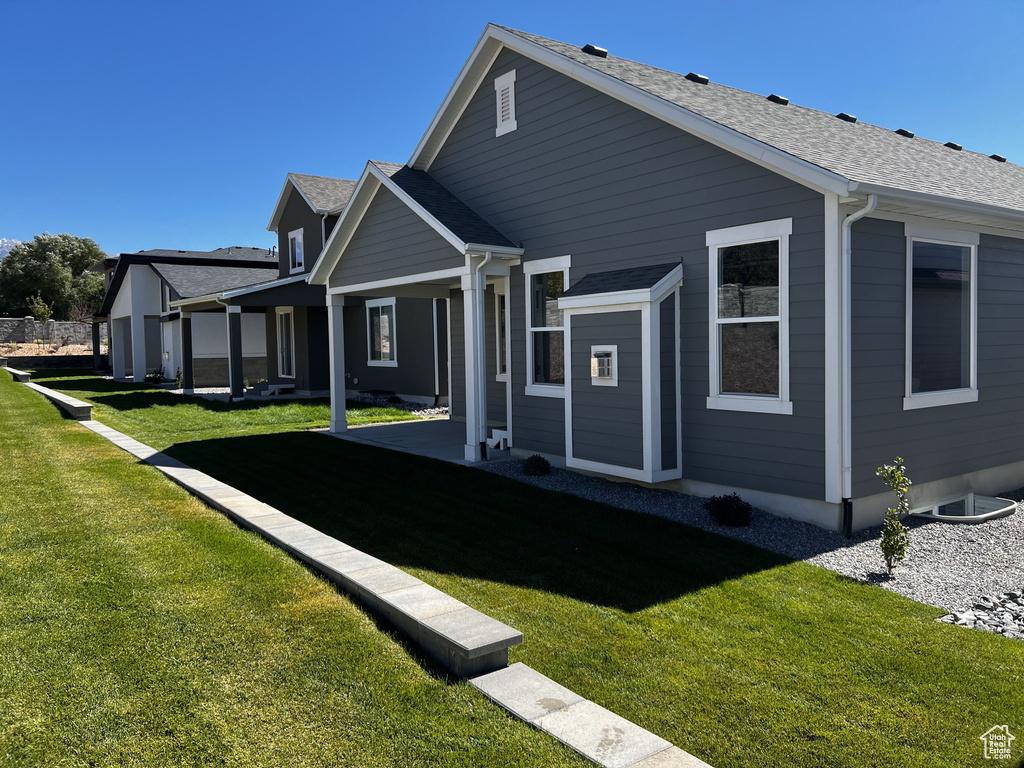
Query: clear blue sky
{"x": 172, "y": 124}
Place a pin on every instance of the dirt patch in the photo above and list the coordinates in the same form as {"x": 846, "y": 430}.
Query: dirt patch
{"x": 42, "y": 350}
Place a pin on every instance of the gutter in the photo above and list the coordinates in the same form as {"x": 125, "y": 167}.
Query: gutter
{"x": 846, "y": 369}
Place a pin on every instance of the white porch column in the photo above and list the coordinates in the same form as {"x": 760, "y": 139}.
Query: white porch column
{"x": 473, "y": 290}
{"x": 336, "y": 343}
{"x": 115, "y": 346}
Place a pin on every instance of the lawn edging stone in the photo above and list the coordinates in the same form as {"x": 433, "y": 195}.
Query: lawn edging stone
{"x": 73, "y": 407}
{"x": 469, "y": 644}
{"x": 22, "y": 377}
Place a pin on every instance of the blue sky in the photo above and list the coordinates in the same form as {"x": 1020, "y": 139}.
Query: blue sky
{"x": 172, "y": 125}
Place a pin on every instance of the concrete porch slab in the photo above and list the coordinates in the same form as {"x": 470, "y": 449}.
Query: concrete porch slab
{"x": 443, "y": 439}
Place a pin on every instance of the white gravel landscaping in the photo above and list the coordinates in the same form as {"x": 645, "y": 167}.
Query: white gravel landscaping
{"x": 948, "y": 565}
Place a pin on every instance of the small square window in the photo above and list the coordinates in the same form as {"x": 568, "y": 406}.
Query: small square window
{"x": 604, "y": 366}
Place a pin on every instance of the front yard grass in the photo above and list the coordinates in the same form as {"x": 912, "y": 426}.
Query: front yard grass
{"x": 159, "y": 418}
{"x": 733, "y": 653}
{"x": 140, "y": 628}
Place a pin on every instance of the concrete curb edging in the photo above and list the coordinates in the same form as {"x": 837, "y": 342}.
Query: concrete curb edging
{"x": 591, "y": 730}
{"x": 19, "y": 376}
{"x": 463, "y": 640}
{"x": 75, "y": 408}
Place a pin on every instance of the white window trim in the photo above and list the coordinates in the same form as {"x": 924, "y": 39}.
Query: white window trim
{"x": 508, "y": 80}
{"x": 913, "y": 401}
{"x": 393, "y": 362}
{"x": 530, "y": 268}
{"x": 614, "y": 380}
{"x": 716, "y": 239}
{"x": 297, "y": 235}
{"x": 291, "y": 325}
{"x": 499, "y": 290}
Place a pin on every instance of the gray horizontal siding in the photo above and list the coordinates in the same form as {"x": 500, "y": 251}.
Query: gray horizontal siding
{"x": 948, "y": 440}
{"x": 607, "y": 422}
{"x": 391, "y": 241}
{"x": 414, "y": 374}
{"x": 298, "y": 215}
{"x": 497, "y": 413}
{"x": 586, "y": 175}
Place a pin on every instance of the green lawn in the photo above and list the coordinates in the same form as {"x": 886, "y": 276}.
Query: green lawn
{"x": 733, "y": 653}
{"x": 159, "y": 418}
{"x": 140, "y": 628}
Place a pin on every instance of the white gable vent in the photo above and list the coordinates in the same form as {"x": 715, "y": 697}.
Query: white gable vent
{"x": 505, "y": 98}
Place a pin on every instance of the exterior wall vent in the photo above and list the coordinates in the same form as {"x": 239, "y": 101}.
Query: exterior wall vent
{"x": 846, "y": 117}
{"x": 593, "y": 50}
{"x": 776, "y": 99}
{"x": 905, "y": 132}
{"x": 693, "y": 77}
{"x": 998, "y": 158}
{"x": 954, "y": 145}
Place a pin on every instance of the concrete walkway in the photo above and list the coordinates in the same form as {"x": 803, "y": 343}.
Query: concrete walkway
{"x": 443, "y": 439}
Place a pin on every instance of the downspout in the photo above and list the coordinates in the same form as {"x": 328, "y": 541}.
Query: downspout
{"x": 846, "y": 275}
{"x": 227, "y": 337}
{"x": 480, "y": 340}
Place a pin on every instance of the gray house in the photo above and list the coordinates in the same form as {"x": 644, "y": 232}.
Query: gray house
{"x": 293, "y": 313}
{"x": 659, "y": 278}
{"x": 148, "y": 334}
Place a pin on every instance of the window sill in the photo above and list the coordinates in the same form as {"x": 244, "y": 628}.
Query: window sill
{"x": 546, "y": 390}
{"x": 295, "y": 270}
{"x": 751, "y": 404}
{"x": 382, "y": 363}
{"x": 501, "y": 377}
{"x": 934, "y": 399}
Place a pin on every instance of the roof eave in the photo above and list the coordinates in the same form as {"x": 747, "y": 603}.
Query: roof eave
{"x": 999, "y": 213}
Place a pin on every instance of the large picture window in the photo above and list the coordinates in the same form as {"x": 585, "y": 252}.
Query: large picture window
{"x": 545, "y": 329}
{"x": 381, "y": 332}
{"x": 285, "y": 343}
{"x": 748, "y": 269}
{"x": 941, "y": 318}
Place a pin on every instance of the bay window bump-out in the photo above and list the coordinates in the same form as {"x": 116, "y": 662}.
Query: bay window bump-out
{"x": 381, "y": 333}
{"x": 748, "y": 317}
{"x": 941, "y": 317}
{"x": 546, "y": 280}
{"x": 295, "y": 251}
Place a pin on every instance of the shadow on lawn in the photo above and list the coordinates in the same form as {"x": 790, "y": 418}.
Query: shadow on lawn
{"x": 422, "y": 513}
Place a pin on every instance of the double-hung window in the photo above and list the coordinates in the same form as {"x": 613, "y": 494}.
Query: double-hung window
{"x": 381, "y": 332}
{"x": 941, "y": 326}
{"x": 545, "y": 330}
{"x": 285, "y": 343}
{"x": 295, "y": 251}
{"x": 748, "y": 318}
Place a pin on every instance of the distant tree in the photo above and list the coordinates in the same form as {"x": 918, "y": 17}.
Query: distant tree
{"x": 51, "y": 268}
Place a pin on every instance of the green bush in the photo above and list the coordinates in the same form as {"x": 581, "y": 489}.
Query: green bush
{"x": 536, "y": 465}
{"x": 731, "y": 510}
{"x": 156, "y": 377}
{"x": 895, "y": 535}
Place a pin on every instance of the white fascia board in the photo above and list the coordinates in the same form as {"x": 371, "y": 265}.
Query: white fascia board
{"x": 418, "y": 209}
{"x": 939, "y": 202}
{"x": 498, "y": 251}
{"x": 455, "y": 273}
{"x": 342, "y": 233}
{"x": 470, "y": 76}
{"x": 758, "y": 152}
{"x": 636, "y": 296}
{"x": 262, "y": 286}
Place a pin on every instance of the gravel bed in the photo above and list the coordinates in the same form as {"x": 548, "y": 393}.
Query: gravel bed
{"x": 948, "y": 565}
{"x": 417, "y": 409}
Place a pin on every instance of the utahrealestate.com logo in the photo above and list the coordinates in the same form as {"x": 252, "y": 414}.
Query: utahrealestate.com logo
{"x": 997, "y": 742}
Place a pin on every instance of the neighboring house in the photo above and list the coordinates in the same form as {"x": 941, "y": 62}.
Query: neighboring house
{"x": 668, "y": 280}
{"x": 147, "y": 334}
{"x": 397, "y": 354}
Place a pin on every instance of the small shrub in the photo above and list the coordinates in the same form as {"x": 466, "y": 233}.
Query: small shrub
{"x": 395, "y": 400}
{"x": 536, "y": 465}
{"x": 245, "y": 383}
{"x": 156, "y": 377}
{"x": 895, "y": 535}
{"x": 40, "y": 309}
{"x": 179, "y": 378}
{"x": 730, "y": 510}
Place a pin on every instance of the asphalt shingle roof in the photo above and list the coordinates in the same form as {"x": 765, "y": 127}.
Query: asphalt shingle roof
{"x": 620, "y": 280}
{"x": 324, "y": 192}
{"x": 454, "y": 214}
{"x": 191, "y": 280}
{"x": 233, "y": 252}
{"x": 860, "y": 152}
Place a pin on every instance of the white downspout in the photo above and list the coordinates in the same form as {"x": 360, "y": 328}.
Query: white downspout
{"x": 846, "y": 276}
{"x": 480, "y": 340}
